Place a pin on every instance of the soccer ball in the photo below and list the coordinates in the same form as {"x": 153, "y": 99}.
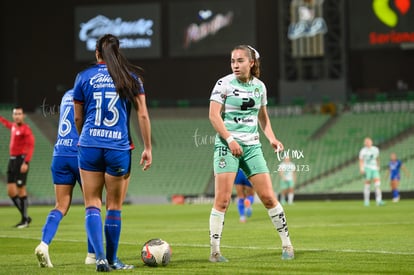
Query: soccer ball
{"x": 156, "y": 252}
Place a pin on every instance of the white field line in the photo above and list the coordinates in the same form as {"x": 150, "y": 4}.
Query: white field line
{"x": 239, "y": 247}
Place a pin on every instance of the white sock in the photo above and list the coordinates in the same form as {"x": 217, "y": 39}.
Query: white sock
{"x": 367, "y": 190}
{"x": 290, "y": 198}
{"x": 216, "y": 229}
{"x": 378, "y": 193}
{"x": 277, "y": 216}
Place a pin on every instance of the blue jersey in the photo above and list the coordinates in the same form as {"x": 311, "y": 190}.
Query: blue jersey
{"x": 395, "y": 167}
{"x": 67, "y": 138}
{"x": 106, "y": 115}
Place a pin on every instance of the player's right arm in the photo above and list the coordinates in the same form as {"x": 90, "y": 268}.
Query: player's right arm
{"x": 78, "y": 116}
{"x": 5, "y": 122}
{"x": 218, "y": 125}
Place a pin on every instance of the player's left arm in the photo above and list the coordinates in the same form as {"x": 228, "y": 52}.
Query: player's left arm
{"x": 145, "y": 128}
{"x": 405, "y": 170}
{"x": 266, "y": 127}
{"x": 29, "y": 149}
{"x": 378, "y": 163}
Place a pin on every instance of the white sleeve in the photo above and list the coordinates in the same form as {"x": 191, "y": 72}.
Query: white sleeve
{"x": 264, "y": 98}
{"x": 219, "y": 93}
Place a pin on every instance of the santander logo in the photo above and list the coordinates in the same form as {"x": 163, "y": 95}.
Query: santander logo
{"x": 386, "y": 14}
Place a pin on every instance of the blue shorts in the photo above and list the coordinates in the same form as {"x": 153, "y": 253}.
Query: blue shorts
{"x": 113, "y": 162}
{"x": 65, "y": 170}
{"x": 242, "y": 179}
{"x": 395, "y": 177}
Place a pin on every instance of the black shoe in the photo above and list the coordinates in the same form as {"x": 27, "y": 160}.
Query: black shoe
{"x": 102, "y": 266}
{"x": 22, "y": 224}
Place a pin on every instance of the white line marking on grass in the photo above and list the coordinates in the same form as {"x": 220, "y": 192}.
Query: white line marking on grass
{"x": 347, "y": 224}
{"x": 235, "y": 247}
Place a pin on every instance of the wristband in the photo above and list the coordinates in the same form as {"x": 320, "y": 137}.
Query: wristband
{"x": 229, "y": 139}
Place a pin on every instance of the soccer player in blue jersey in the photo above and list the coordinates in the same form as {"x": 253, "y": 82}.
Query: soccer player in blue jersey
{"x": 237, "y": 109}
{"x": 245, "y": 195}
{"x": 104, "y": 95}
{"x": 394, "y": 172}
{"x": 65, "y": 174}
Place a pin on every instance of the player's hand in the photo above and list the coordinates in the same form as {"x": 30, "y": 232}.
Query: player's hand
{"x": 24, "y": 168}
{"x": 277, "y": 145}
{"x": 146, "y": 160}
{"x": 362, "y": 171}
{"x": 235, "y": 149}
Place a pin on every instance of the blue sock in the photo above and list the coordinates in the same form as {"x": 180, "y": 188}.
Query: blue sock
{"x": 240, "y": 206}
{"x": 90, "y": 246}
{"x": 93, "y": 224}
{"x": 251, "y": 199}
{"x": 51, "y": 226}
{"x": 112, "y": 233}
{"x": 395, "y": 193}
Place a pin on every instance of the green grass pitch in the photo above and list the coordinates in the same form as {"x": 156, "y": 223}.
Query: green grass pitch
{"x": 330, "y": 237}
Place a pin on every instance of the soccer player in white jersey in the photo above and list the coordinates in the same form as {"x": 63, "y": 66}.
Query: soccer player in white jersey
{"x": 287, "y": 172}
{"x": 369, "y": 166}
{"x": 237, "y": 109}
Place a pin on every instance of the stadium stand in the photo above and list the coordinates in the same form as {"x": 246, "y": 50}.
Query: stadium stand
{"x": 183, "y": 141}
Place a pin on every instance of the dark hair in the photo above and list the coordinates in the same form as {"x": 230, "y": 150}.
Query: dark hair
{"x": 123, "y": 72}
{"x": 253, "y": 55}
{"x": 18, "y": 107}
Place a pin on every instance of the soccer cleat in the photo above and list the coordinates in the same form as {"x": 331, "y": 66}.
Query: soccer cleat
{"x": 217, "y": 258}
{"x": 42, "y": 254}
{"x": 242, "y": 219}
{"x": 288, "y": 253}
{"x": 366, "y": 204}
{"x": 396, "y": 199}
{"x": 102, "y": 265}
{"x": 24, "y": 223}
{"x": 119, "y": 265}
{"x": 90, "y": 258}
{"x": 380, "y": 203}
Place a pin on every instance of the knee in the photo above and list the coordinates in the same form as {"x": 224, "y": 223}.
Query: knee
{"x": 222, "y": 205}
{"x": 269, "y": 201}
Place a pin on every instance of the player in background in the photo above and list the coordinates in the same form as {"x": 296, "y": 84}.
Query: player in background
{"x": 237, "y": 109}
{"x": 103, "y": 96}
{"x": 287, "y": 172}
{"x": 369, "y": 166}
{"x": 245, "y": 195}
{"x": 394, "y": 173}
{"x": 65, "y": 174}
{"x": 22, "y": 142}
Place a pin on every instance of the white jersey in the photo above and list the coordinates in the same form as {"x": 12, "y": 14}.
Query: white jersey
{"x": 241, "y": 105}
{"x": 369, "y": 155}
